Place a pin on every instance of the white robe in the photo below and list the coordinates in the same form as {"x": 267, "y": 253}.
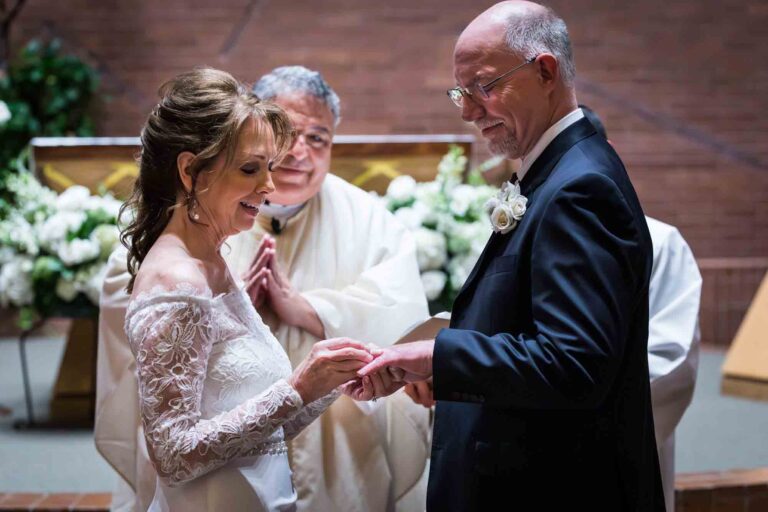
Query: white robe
{"x": 673, "y": 340}
{"x": 117, "y": 430}
{"x": 356, "y": 265}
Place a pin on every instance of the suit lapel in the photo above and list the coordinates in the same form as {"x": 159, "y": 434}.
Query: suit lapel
{"x": 536, "y": 175}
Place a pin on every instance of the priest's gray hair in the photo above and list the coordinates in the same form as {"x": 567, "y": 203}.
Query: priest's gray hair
{"x": 298, "y": 79}
{"x": 531, "y": 33}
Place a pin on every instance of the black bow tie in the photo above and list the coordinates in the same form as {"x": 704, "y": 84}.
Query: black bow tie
{"x": 513, "y": 179}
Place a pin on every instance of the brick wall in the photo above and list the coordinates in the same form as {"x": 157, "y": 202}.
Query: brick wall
{"x": 729, "y": 287}
{"x": 681, "y": 86}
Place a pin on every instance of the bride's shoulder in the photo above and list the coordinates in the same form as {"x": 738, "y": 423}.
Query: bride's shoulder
{"x": 171, "y": 274}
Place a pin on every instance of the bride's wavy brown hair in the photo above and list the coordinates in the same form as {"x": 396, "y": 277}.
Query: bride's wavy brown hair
{"x": 202, "y": 111}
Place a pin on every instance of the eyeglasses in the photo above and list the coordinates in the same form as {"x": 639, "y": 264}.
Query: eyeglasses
{"x": 457, "y": 94}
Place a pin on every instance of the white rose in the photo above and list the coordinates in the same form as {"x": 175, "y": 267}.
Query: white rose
{"x": 107, "y": 203}
{"x": 479, "y": 243}
{"x": 74, "y": 198}
{"x": 66, "y": 290}
{"x": 17, "y": 232}
{"x": 502, "y": 219}
{"x": 55, "y": 229}
{"x": 459, "y": 269}
{"x": 78, "y": 251}
{"x": 6, "y": 254}
{"x": 443, "y": 221}
{"x": 462, "y": 197}
{"x": 409, "y": 217}
{"x": 491, "y": 205}
{"x": 107, "y": 236}
{"x": 482, "y": 195}
{"x": 465, "y": 235}
{"x": 16, "y": 282}
{"x": 518, "y": 205}
{"x": 5, "y": 114}
{"x": 509, "y": 190}
{"x": 90, "y": 279}
{"x": 430, "y": 249}
{"x": 451, "y": 168}
{"x": 401, "y": 189}
{"x": 434, "y": 283}
{"x": 95, "y": 283}
{"x": 429, "y": 195}
{"x": 127, "y": 217}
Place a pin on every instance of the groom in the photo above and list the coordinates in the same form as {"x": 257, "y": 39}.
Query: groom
{"x": 542, "y": 378}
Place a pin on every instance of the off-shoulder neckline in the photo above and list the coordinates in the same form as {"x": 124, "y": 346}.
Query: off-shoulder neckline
{"x": 183, "y": 290}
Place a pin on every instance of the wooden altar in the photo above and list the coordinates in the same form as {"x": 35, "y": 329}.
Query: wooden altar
{"x": 368, "y": 161}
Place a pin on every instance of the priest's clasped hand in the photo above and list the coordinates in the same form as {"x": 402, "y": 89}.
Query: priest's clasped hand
{"x": 267, "y": 285}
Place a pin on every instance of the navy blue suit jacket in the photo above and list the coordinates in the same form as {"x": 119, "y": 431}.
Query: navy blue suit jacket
{"x": 542, "y": 379}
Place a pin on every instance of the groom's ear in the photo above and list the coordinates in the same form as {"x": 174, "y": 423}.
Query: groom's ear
{"x": 184, "y": 168}
{"x": 547, "y": 69}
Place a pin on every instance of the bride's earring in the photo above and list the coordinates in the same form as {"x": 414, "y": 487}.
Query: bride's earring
{"x": 192, "y": 208}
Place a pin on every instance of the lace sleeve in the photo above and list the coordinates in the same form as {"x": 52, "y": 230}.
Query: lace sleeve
{"x": 172, "y": 340}
{"x": 308, "y": 414}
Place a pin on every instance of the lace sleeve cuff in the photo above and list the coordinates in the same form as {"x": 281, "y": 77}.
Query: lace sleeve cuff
{"x": 309, "y": 413}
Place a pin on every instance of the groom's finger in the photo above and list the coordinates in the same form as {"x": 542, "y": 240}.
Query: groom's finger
{"x": 348, "y": 366}
{"x": 413, "y": 392}
{"x": 424, "y": 390}
{"x": 368, "y": 391}
{"x": 377, "y": 365}
{"x": 379, "y": 386}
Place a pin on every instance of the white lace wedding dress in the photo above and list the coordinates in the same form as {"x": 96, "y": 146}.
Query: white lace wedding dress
{"x": 215, "y": 403}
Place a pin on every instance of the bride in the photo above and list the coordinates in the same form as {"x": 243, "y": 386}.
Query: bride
{"x": 217, "y": 394}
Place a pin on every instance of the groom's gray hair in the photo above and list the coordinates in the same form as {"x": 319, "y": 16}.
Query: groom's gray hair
{"x": 298, "y": 79}
{"x": 541, "y": 31}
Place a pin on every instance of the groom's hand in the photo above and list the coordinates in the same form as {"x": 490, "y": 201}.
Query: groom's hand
{"x": 409, "y": 362}
{"x": 371, "y": 387}
{"x": 421, "y": 393}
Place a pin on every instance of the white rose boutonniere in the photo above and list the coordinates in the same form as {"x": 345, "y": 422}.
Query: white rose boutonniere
{"x": 507, "y": 208}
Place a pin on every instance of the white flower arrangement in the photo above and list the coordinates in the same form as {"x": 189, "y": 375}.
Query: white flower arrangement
{"x": 449, "y": 222}
{"x": 54, "y": 248}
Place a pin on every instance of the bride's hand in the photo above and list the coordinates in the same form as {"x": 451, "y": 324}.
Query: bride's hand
{"x": 330, "y": 364}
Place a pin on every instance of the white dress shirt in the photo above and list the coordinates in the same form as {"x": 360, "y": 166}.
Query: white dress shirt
{"x": 546, "y": 138}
